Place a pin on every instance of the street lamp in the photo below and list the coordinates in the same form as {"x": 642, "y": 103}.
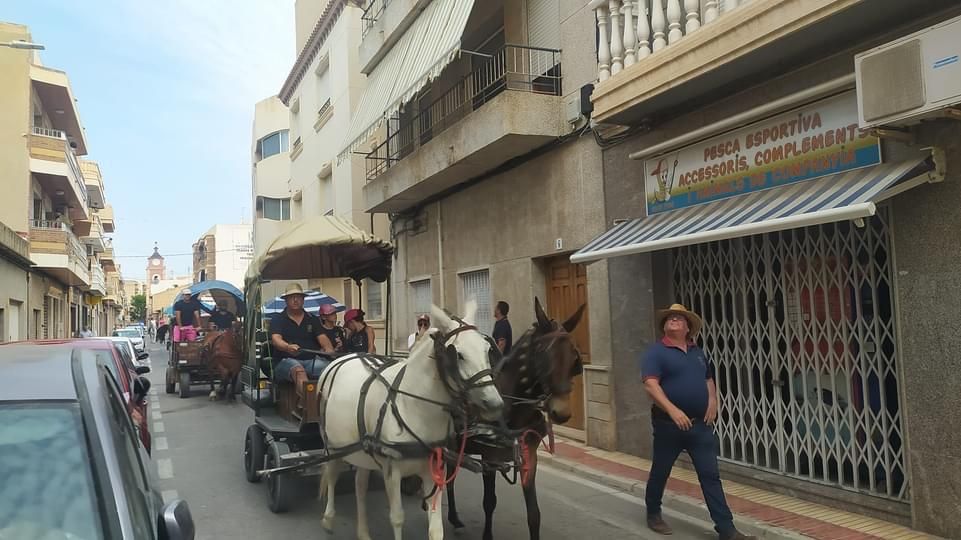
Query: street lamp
{"x": 21, "y": 44}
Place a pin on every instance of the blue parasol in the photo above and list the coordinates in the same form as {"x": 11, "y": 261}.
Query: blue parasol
{"x": 312, "y": 302}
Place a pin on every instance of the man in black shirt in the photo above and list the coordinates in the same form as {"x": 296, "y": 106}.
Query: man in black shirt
{"x": 187, "y": 317}
{"x": 221, "y": 318}
{"x": 503, "y": 335}
{"x": 294, "y": 329}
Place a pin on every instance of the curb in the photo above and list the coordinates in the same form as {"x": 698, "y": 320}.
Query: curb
{"x": 677, "y": 507}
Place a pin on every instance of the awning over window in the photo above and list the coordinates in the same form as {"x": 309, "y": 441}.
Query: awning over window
{"x": 425, "y": 49}
{"x": 850, "y": 195}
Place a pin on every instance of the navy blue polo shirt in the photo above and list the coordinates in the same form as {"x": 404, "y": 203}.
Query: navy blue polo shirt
{"x": 682, "y": 375}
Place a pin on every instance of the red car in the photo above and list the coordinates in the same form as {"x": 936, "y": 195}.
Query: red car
{"x": 124, "y": 370}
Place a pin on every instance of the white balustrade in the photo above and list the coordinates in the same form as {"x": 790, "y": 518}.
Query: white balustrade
{"x": 630, "y": 40}
{"x": 631, "y": 30}
{"x": 674, "y": 19}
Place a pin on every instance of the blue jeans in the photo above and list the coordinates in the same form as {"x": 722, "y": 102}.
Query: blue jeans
{"x": 701, "y": 444}
{"x": 314, "y": 367}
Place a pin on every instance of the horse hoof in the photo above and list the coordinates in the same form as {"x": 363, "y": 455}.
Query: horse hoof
{"x": 456, "y": 522}
{"x": 328, "y": 524}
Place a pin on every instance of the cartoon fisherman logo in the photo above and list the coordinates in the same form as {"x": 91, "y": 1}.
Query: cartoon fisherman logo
{"x": 664, "y": 185}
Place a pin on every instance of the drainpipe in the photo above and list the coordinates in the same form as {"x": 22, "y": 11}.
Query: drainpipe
{"x": 440, "y": 254}
{"x": 29, "y": 314}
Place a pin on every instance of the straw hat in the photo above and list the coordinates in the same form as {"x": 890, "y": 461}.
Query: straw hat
{"x": 694, "y": 321}
{"x": 292, "y": 289}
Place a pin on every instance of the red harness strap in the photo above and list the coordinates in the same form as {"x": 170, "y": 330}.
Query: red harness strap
{"x": 526, "y": 469}
{"x": 438, "y": 468}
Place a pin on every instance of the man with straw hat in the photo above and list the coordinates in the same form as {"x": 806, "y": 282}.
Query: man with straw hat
{"x": 293, "y": 334}
{"x": 680, "y": 380}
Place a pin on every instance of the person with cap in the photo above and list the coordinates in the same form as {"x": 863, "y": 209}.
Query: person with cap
{"x": 361, "y": 337}
{"x": 187, "y": 317}
{"x": 423, "y": 327}
{"x": 328, "y": 327}
{"x": 293, "y": 330}
{"x": 221, "y": 318}
{"x": 679, "y": 378}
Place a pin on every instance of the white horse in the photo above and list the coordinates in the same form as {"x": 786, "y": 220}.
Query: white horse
{"x": 395, "y": 430}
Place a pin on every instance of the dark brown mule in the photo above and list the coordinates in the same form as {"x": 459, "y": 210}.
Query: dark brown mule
{"x": 222, "y": 352}
{"x": 537, "y": 377}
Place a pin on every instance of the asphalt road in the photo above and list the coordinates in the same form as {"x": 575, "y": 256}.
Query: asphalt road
{"x": 198, "y": 447}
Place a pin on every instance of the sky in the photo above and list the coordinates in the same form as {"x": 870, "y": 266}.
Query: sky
{"x": 166, "y": 92}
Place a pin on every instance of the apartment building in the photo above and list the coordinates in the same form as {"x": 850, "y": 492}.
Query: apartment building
{"x": 270, "y": 171}
{"x": 322, "y": 92}
{"x": 54, "y": 200}
{"x": 790, "y": 170}
{"x": 223, "y": 253}
{"x": 475, "y": 143}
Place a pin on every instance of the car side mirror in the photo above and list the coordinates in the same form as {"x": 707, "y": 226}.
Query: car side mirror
{"x": 142, "y": 370}
{"x": 141, "y": 385}
{"x": 143, "y": 356}
{"x": 175, "y": 521}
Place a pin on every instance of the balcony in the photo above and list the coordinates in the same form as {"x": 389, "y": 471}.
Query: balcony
{"x": 106, "y": 218}
{"x": 55, "y": 166}
{"x": 664, "y": 56}
{"x": 90, "y": 232}
{"x": 59, "y": 253}
{"x": 107, "y": 257}
{"x": 13, "y": 246}
{"x": 98, "y": 281}
{"x": 94, "y": 182}
{"x": 53, "y": 88}
{"x": 514, "y": 106}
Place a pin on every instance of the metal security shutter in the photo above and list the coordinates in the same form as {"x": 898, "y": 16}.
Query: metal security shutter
{"x": 543, "y": 30}
{"x": 476, "y": 286}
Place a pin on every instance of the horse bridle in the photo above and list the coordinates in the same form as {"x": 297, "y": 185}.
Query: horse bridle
{"x": 543, "y": 368}
{"x": 448, "y": 358}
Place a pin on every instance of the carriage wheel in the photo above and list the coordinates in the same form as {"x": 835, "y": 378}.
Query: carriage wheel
{"x": 281, "y": 487}
{"x": 171, "y": 381}
{"x": 184, "y": 384}
{"x": 255, "y": 447}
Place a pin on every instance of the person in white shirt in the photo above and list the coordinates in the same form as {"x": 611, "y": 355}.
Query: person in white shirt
{"x": 423, "y": 326}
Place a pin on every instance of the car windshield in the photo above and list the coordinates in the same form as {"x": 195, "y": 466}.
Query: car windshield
{"x": 46, "y": 486}
{"x": 131, "y": 333}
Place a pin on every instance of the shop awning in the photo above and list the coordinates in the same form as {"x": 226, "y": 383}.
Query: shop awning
{"x": 425, "y": 49}
{"x": 849, "y": 195}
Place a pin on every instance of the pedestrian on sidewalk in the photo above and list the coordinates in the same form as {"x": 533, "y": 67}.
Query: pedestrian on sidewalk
{"x": 503, "y": 335}
{"x": 680, "y": 380}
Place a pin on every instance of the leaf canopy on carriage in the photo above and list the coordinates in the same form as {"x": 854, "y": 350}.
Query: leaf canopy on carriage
{"x": 318, "y": 247}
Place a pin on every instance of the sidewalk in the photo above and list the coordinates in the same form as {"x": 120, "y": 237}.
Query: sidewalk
{"x": 758, "y": 512}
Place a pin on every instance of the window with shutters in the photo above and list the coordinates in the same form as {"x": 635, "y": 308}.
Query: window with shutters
{"x": 476, "y": 286}
{"x": 420, "y": 299}
{"x": 543, "y": 30}
{"x": 375, "y": 300}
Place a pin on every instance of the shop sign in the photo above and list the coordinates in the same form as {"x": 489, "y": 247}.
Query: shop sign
{"x": 810, "y": 142}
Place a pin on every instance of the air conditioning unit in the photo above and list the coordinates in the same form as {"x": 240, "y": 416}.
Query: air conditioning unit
{"x": 915, "y": 77}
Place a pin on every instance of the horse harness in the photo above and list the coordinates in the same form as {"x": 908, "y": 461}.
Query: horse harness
{"x": 371, "y": 441}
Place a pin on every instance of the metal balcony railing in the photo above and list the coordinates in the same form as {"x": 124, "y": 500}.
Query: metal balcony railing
{"x": 74, "y": 248}
{"x": 69, "y": 157}
{"x": 372, "y": 12}
{"x": 514, "y": 67}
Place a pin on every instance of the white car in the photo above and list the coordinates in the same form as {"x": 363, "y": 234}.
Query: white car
{"x": 128, "y": 350}
{"x": 134, "y": 335}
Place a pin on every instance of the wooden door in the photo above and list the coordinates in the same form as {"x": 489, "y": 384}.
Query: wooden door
{"x": 566, "y": 291}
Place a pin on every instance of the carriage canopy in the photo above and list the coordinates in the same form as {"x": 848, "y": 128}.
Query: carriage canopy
{"x": 212, "y": 291}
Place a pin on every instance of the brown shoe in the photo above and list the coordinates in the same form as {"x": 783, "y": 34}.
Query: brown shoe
{"x": 657, "y": 524}
{"x": 736, "y": 535}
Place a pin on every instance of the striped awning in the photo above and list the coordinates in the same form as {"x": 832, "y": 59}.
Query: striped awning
{"x": 425, "y": 49}
{"x": 850, "y": 195}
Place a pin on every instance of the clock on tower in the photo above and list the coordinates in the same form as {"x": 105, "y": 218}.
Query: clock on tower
{"x": 156, "y": 269}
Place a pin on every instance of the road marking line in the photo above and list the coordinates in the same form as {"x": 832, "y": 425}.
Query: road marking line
{"x": 157, "y": 415}
{"x": 165, "y": 469}
{"x": 169, "y": 495}
{"x": 158, "y": 427}
{"x": 153, "y": 391}
{"x": 160, "y": 443}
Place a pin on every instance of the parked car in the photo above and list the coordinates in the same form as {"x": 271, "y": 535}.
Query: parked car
{"x": 70, "y": 463}
{"x": 135, "y": 336}
{"x": 128, "y": 351}
{"x": 124, "y": 370}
